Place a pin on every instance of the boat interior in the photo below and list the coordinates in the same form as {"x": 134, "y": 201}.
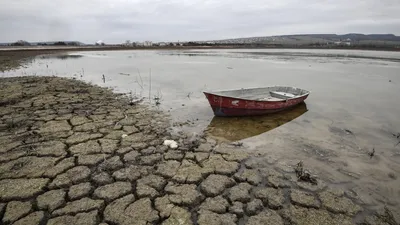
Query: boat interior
{"x": 276, "y": 93}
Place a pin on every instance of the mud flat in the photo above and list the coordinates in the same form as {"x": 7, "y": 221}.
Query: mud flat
{"x": 72, "y": 153}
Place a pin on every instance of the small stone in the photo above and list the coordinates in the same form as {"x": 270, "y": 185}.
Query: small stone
{"x": 185, "y": 194}
{"x": 91, "y": 160}
{"x": 111, "y": 164}
{"x": 254, "y": 206}
{"x": 303, "y": 199}
{"x": 150, "y": 160}
{"x": 250, "y": 175}
{"x": 179, "y": 216}
{"x": 267, "y": 217}
{"x": 102, "y": 178}
{"x": 81, "y": 205}
{"x": 113, "y": 191}
{"x": 240, "y": 192}
{"x": 21, "y": 188}
{"x": 60, "y": 167}
{"x": 79, "y": 190}
{"x": 217, "y": 164}
{"x": 51, "y": 200}
{"x": 272, "y": 197}
{"x": 90, "y": 147}
{"x": 237, "y": 208}
{"x": 16, "y": 210}
{"x": 141, "y": 211}
{"x": 210, "y": 218}
{"x": 173, "y": 155}
{"x": 131, "y": 156}
{"x": 71, "y": 176}
{"x": 31, "y": 219}
{"x": 164, "y": 206}
{"x": 188, "y": 172}
{"x": 130, "y": 173}
{"x": 80, "y": 137}
{"x": 168, "y": 168}
{"x": 337, "y": 203}
{"x": 108, "y": 146}
{"x": 214, "y": 185}
{"x": 89, "y": 218}
{"x": 78, "y": 120}
{"x": 217, "y": 204}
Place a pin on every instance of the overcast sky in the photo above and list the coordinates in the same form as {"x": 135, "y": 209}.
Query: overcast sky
{"x": 115, "y": 21}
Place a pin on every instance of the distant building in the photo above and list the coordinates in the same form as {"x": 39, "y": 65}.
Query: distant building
{"x": 21, "y": 43}
{"x": 100, "y": 42}
{"x": 342, "y": 43}
{"x": 162, "y": 44}
{"x": 148, "y": 43}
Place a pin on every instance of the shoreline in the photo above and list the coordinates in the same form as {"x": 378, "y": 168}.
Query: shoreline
{"x": 84, "y": 154}
{"x": 14, "y": 57}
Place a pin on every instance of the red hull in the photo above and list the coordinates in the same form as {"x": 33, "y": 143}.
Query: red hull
{"x": 230, "y": 106}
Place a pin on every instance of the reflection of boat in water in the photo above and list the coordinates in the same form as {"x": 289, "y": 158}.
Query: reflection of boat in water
{"x": 238, "y": 128}
{"x": 255, "y": 101}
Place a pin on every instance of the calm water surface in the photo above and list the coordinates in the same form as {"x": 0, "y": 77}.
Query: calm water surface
{"x": 353, "y": 107}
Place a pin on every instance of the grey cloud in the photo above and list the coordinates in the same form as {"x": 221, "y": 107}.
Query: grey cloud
{"x": 117, "y": 20}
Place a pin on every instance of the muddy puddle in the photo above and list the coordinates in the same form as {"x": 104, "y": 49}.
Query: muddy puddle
{"x": 351, "y": 112}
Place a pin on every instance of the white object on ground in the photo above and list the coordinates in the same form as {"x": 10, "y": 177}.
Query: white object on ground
{"x": 124, "y": 135}
{"x": 171, "y": 143}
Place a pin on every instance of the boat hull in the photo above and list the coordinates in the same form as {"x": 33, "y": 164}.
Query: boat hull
{"x": 230, "y": 106}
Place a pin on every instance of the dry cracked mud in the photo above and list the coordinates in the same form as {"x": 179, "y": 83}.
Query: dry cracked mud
{"x": 72, "y": 153}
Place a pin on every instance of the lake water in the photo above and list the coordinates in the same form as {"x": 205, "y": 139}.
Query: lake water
{"x": 353, "y": 107}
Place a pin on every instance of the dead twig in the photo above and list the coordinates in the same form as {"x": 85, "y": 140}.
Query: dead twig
{"x": 237, "y": 144}
{"x": 371, "y": 154}
{"x": 348, "y": 131}
{"x": 304, "y": 175}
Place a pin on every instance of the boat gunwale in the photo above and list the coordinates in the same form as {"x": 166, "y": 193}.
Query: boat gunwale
{"x": 245, "y": 99}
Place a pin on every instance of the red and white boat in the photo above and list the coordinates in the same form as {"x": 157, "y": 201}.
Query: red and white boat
{"x": 255, "y": 101}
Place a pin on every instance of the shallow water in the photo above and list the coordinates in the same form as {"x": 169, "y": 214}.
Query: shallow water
{"x": 353, "y": 107}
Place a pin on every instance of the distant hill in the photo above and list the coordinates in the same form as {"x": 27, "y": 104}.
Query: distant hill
{"x": 323, "y": 39}
{"x": 47, "y": 43}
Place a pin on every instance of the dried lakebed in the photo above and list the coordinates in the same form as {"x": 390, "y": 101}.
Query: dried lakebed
{"x": 72, "y": 153}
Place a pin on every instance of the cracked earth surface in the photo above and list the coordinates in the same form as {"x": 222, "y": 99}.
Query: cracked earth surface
{"x": 72, "y": 153}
